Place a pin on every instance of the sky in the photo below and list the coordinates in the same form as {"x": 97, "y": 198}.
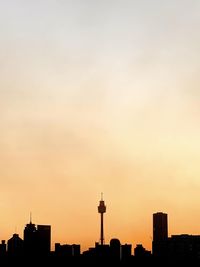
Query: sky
{"x": 99, "y": 96}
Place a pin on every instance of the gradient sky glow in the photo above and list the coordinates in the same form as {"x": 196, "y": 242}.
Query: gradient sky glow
{"x": 99, "y": 96}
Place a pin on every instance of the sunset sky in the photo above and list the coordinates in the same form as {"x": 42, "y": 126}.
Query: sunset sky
{"x": 99, "y": 96}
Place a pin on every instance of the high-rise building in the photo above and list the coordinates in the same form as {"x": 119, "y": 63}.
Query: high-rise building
{"x": 44, "y": 238}
{"x": 30, "y": 238}
{"x": 37, "y": 239}
{"x": 160, "y": 226}
{"x": 160, "y": 233}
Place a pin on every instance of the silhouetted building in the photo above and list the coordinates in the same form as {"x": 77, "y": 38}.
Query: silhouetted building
{"x": 30, "y": 239}
{"x": 67, "y": 250}
{"x": 102, "y": 251}
{"x": 160, "y": 226}
{"x": 126, "y": 251}
{"x": 140, "y": 251}
{"x": 15, "y": 245}
{"x": 64, "y": 250}
{"x": 43, "y": 235}
{"x": 37, "y": 240}
{"x": 111, "y": 254}
{"x": 184, "y": 247}
{"x": 3, "y": 248}
{"x": 160, "y": 234}
{"x": 177, "y": 247}
{"x": 76, "y": 250}
{"x": 115, "y": 249}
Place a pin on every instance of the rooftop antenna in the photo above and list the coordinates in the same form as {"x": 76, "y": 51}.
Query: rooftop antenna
{"x": 30, "y": 217}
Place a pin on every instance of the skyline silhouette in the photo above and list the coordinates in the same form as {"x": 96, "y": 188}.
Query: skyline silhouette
{"x": 35, "y": 234}
{"x": 36, "y": 247}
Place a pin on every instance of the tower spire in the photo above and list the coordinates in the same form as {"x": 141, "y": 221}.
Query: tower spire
{"x": 30, "y": 217}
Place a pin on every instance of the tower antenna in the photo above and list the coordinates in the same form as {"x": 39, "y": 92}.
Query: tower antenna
{"x": 30, "y": 217}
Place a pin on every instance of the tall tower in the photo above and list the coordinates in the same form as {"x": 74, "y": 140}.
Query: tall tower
{"x": 160, "y": 234}
{"x": 101, "y": 210}
{"x": 44, "y": 238}
{"x": 30, "y": 237}
{"x": 160, "y": 226}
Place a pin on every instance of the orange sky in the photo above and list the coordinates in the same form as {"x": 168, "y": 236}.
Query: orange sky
{"x": 99, "y": 97}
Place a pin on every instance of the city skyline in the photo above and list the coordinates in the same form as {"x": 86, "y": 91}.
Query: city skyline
{"x": 99, "y": 96}
{"x": 37, "y": 239}
{"x": 159, "y": 232}
{"x": 182, "y": 249}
